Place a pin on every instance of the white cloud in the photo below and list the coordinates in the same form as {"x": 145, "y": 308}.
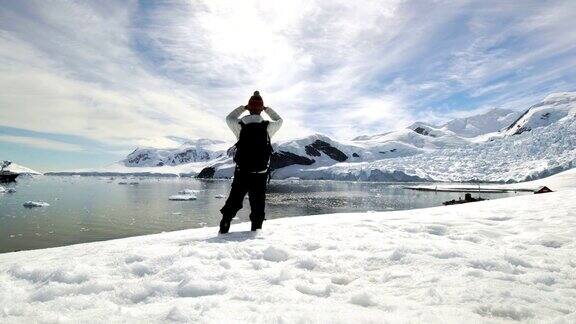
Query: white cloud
{"x": 40, "y": 143}
{"x": 127, "y": 73}
{"x": 91, "y": 83}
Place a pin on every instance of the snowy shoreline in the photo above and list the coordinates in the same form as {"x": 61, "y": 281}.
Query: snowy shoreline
{"x": 497, "y": 261}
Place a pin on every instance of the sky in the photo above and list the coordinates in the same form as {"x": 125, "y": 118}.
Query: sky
{"x": 86, "y": 82}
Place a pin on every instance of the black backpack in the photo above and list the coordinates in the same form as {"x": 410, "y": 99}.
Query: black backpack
{"x": 253, "y": 149}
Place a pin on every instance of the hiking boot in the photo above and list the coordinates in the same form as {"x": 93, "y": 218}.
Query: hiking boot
{"x": 256, "y": 225}
{"x": 224, "y": 226}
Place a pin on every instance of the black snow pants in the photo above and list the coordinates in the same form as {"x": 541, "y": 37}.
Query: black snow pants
{"x": 253, "y": 184}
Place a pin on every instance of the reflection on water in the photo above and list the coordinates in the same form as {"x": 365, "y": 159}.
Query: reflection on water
{"x": 85, "y": 209}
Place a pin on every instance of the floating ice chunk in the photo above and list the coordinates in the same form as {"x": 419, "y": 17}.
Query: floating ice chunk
{"x": 219, "y": 196}
{"x": 181, "y": 197}
{"x": 188, "y": 192}
{"x": 32, "y": 204}
{"x": 10, "y": 190}
{"x": 2, "y": 189}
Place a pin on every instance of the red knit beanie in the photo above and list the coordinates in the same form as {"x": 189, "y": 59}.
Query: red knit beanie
{"x": 256, "y": 104}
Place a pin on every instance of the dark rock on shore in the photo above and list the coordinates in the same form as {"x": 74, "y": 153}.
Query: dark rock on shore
{"x": 206, "y": 173}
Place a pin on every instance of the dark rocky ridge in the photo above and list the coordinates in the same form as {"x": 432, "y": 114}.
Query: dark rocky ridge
{"x": 283, "y": 159}
{"x": 312, "y": 151}
{"x": 318, "y": 146}
{"x": 190, "y": 155}
{"x": 136, "y": 158}
{"x": 278, "y": 160}
{"x": 519, "y": 130}
{"x": 423, "y": 131}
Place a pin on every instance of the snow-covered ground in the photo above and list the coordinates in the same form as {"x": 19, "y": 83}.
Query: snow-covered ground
{"x": 559, "y": 181}
{"x": 495, "y": 261}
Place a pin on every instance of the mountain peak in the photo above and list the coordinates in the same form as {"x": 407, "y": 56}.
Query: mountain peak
{"x": 16, "y": 168}
{"x": 490, "y": 121}
{"x": 553, "y": 108}
{"x": 559, "y": 97}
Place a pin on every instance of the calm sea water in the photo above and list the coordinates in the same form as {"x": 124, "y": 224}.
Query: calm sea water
{"x": 86, "y": 209}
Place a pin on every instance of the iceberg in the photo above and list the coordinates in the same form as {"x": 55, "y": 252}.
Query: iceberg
{"x": 182, "y": 197}
{"x": 33, "y": 204}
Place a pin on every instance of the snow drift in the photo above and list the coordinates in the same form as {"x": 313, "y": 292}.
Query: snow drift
{"x": 496, "y": 261}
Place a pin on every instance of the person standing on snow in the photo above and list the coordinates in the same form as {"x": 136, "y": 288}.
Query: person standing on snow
{"x": 252, "y": 158}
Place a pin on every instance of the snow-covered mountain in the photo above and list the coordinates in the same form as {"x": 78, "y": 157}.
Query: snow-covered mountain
{"x": 491, "y": 121}
{"x": 200, "y": 150}
{"x": 542, "y": 141}
{"x": 485, "y": 147}
{"x": 16, "y": 168}
{"x": 530, "y": 155}
{"x": 467, "y": 128}
{"x": 553, "y": 108}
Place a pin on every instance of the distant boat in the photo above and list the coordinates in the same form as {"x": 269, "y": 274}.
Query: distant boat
{"x": 467, "y": 198}
{"x": 5, "y": 175}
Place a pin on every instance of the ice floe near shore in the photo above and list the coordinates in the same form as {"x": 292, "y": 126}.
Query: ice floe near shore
{"x": 185, "y": 194}
{"x": 188, "y": 192}
{"x": 183, "y": 197}
{"x": 33, "y": 204}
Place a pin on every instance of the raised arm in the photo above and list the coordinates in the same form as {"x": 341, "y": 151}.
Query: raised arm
{"x": 275, "y": 122}
{"x": 232, "y": 120}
